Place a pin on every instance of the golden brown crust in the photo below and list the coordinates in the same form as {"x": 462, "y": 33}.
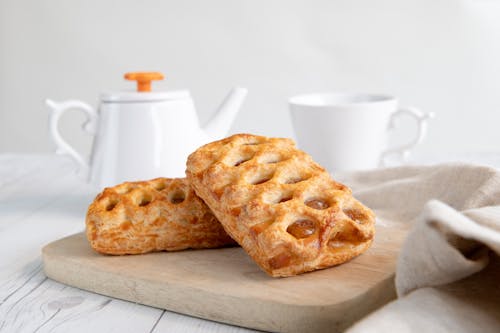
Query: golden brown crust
{"x": 284, "y": 209}
{"x": 157, "y": 215}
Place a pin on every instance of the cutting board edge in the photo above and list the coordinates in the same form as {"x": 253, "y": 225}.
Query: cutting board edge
{"x": 47, "y": 251}
{"x": 291, "y": 317}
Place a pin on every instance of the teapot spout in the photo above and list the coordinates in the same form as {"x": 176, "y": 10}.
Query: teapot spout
{"x": 221, "y": 122}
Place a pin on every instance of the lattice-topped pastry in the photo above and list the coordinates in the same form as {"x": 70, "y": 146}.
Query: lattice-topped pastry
{"x": 284, "y": 209}
{"x": 156, "y": 215}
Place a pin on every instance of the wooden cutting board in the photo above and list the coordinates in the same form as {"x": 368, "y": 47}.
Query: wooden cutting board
{"x": 226, "y": 285}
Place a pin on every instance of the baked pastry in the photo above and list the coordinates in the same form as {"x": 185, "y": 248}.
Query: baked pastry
{"x": 284, "y": 209}
{"x": 156, "y": 215}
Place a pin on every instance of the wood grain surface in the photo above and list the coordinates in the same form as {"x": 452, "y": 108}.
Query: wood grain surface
{"x": 225, "y": 285}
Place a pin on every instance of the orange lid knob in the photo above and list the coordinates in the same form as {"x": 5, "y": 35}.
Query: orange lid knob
{"x": 144, "y": 79}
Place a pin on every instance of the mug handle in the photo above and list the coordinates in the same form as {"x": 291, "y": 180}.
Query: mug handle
{"x": 403, "y": 151}
{"x": 89, "y": 126}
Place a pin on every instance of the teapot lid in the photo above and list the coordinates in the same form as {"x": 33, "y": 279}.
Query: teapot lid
{"x": 143, "y": 93}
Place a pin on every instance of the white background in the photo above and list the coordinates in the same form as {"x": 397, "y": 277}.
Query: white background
{"x": 442, "y": 56}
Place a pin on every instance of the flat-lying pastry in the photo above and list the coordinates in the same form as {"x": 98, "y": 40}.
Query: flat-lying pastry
{"x": 157, "y": 215}
{"x": 284, "y": 209}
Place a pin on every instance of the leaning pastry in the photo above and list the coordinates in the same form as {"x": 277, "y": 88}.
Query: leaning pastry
{"x": 284, "y": 209}
{"x": 157, "y": 215}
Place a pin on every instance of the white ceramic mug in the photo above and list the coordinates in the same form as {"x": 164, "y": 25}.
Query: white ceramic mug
{"x": 349, "y": 131}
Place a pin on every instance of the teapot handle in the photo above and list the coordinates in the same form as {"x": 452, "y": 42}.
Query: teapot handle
{"x": 89, "y": 126}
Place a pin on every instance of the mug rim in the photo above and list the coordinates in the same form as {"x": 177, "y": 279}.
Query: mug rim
{"x": 372, "y": 98}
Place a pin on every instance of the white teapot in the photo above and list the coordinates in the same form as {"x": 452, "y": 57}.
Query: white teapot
{"x": 142, "y": 134}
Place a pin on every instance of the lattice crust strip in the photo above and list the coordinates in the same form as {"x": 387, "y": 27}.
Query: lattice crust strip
{"x": 157, "y": 215}
{"x": 284, "y": 209}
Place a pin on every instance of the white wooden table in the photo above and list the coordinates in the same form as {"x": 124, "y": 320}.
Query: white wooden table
{"x": 41, "y": 200}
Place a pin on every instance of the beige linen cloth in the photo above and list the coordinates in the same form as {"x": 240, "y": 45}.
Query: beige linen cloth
{"x": 448, "y": 270}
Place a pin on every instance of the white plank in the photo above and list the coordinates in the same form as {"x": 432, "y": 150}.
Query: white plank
{"x": 174, "y": 322}
{"x": 50, "y": 206}
{"x": 19, "y": 169}
{"x": 32, "y": 279}
{"x": 43, "y": 305}
{"x": 18, "y": 279}
{"x": 34, "y": 191}
{"x": 28, "y": 234}
{"x": 14, "y": 167}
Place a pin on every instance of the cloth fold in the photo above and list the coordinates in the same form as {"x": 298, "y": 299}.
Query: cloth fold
{"x": 448, "y": 271}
